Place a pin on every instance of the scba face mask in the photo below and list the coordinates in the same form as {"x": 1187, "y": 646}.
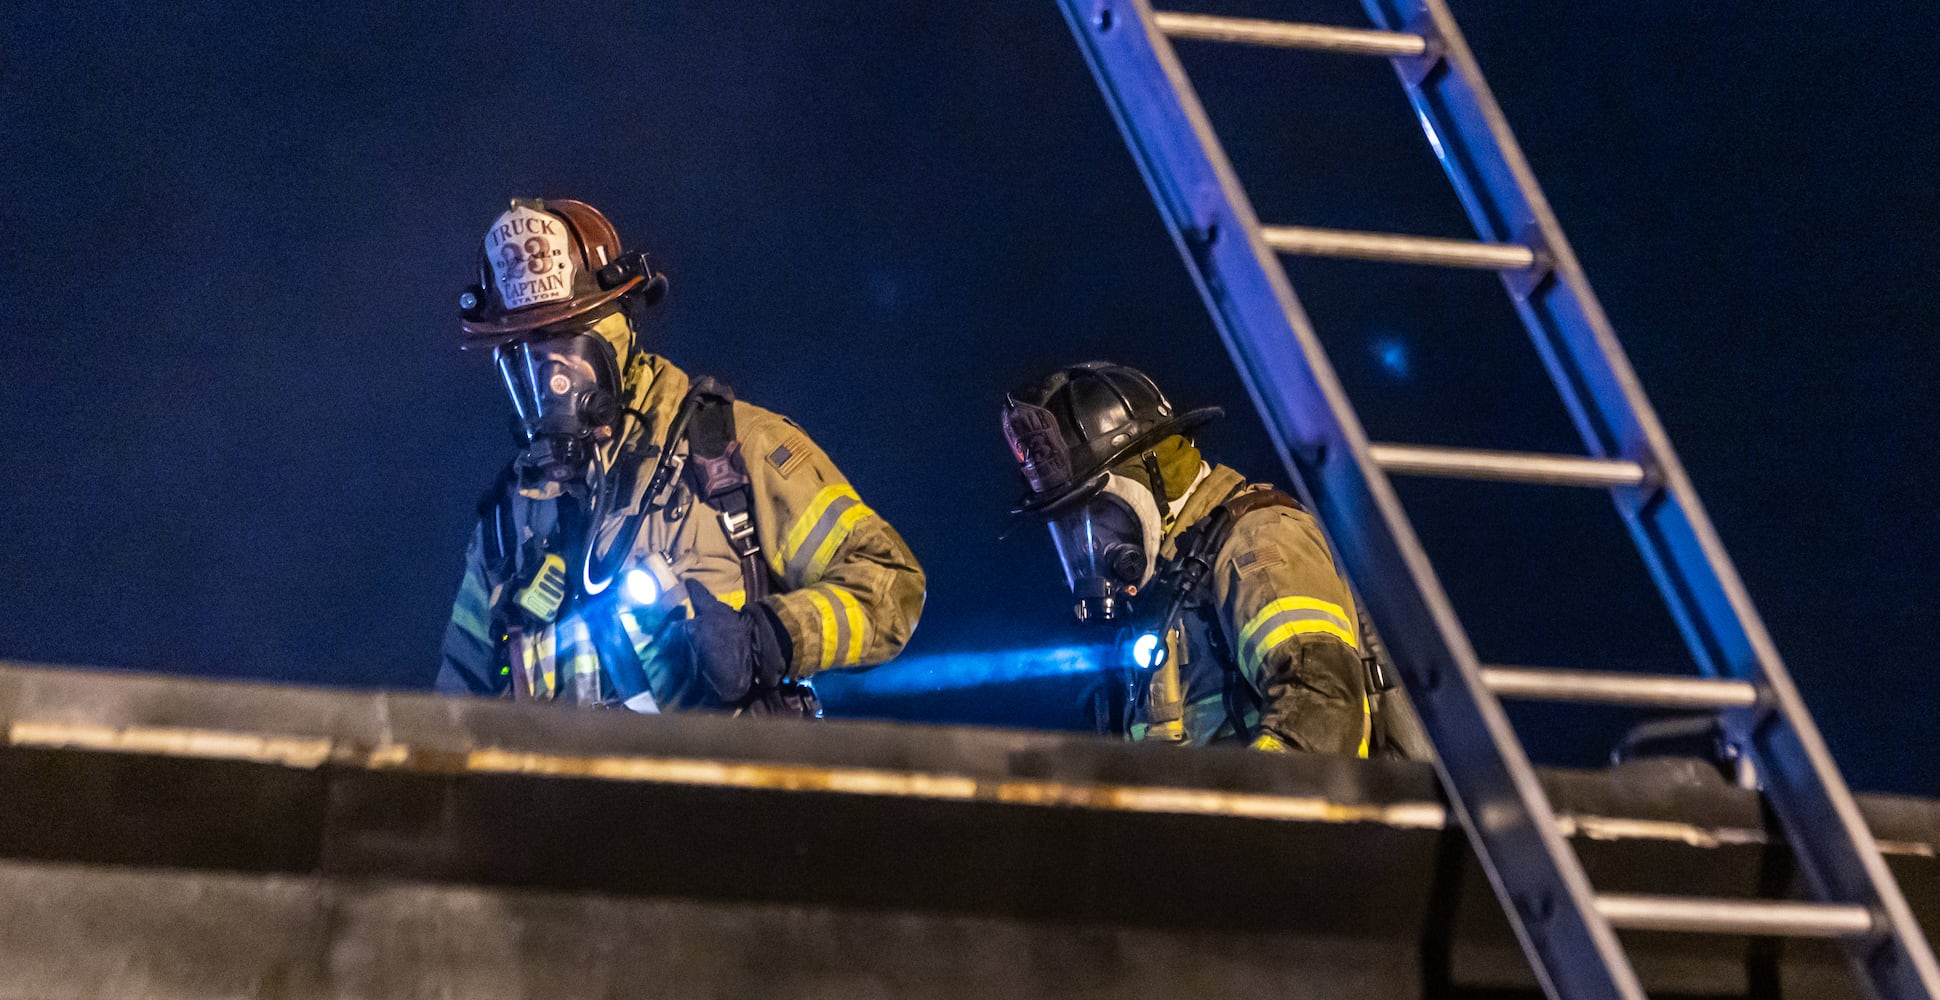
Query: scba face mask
{"x": 566, "y": 390}
{"x": 1109, "y": 548}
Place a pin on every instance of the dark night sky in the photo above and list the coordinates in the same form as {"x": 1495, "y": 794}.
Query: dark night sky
{"x": 241, "y": 441}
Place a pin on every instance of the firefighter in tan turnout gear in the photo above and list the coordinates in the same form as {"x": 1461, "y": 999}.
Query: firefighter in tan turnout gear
{"x": 1237, "y": 626}
{"x": 655, "y": 543}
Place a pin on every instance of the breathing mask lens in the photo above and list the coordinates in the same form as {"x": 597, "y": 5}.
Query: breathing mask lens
{"x": 1107, "y": 550}
{"x": 566, "y": 391}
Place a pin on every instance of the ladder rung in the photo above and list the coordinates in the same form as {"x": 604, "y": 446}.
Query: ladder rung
{"x": 1288, "y": 35}
{"x": 1508, "y": 466}
{"x": 1433, "y": 250}
{"x": 1757, "y": 917}
{"x": 1608, "y": 688}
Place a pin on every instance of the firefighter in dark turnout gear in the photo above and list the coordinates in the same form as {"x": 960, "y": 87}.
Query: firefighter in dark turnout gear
{"x": 655, "y": 543}
{"x": 1239, "y": 627}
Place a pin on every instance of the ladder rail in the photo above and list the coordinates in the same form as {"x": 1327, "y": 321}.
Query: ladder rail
{"x": 1680, "y": 546}
{"x": 1487, "y": 775}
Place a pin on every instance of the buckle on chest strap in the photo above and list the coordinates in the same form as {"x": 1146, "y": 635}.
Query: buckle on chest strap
{"x": 738, "y": 525}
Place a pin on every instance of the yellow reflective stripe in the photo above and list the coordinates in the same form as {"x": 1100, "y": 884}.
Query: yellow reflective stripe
{"x": 583, "y": 663}
{"x": 469, "y": 610}
{"x": 827, "y": 610}
{"x": 638, "y": 638}
{"x": 1288, "y": 617}
{"x": 852, "y": 610}
{"x": 582, "y": 659}
{"x": 806, "y": 523}
{"x": 839, "y": 534}
{"x": 818, "y": 534}
{"x": 470, "y": 622}
{"x": 735, "y": 599}
{"x": 1286, "y": 604}
{"x": 1169, "y": 731}
{"x": 521, "y": 660}
{"x": 543, "y": 659}
{"x": 1367, "y": 728}
{"x": 1273, "y": 744}
{"x": 1303, "y": 626}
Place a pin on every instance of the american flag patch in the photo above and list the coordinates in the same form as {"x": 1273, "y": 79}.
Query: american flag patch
{"x": 790, "y": 455}
{"x": 1250, "y": 563}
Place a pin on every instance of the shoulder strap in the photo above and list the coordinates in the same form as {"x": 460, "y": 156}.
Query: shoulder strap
{"x": 1204, "y": 540}
{"x": 1246, "y": 501}
{"x": 714, "y": 467}
{"x": 718, "y": 475}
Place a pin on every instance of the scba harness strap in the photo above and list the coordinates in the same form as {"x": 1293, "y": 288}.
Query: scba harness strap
{"x": 717, "y": 474}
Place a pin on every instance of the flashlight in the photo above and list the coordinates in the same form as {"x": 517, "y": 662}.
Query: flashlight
{"x": 647, "y": 581}
{"x": 639, "y": 587}
{"x": 1148, "y": 651}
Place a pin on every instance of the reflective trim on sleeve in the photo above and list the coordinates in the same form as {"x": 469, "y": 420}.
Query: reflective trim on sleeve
{"x": 1288, "y": 617}
{"x": 468, "y": 612}
{"x": 830, "y": 623}
{"x": 636, "y": 636}
{"x": 581, "y": 661}
{"x": 855, "y": 627}
{"x": 735, "y": 599}
{"x": 534, "y": 656}
{"x": 843, "y": 626}
{"x": 825, "y": 552}
{"x": 819, "y": 532}
{"x": 812, "y": 517}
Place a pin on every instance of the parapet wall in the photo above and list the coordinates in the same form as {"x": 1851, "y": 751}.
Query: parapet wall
{"x": 175, "y": 838}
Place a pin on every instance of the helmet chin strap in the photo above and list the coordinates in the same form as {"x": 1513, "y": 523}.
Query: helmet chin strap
{"x": 1156, "y": 480}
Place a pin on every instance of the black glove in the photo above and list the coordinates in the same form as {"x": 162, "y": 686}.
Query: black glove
{"x": 730, "y": 653}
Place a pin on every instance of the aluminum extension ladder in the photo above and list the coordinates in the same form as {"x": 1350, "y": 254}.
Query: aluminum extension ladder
{"x": 1567, "y": 929}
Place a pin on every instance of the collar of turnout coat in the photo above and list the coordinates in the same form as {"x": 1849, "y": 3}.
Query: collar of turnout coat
{"x": 655, "y": 387}
{"x": 1210, "y": 493}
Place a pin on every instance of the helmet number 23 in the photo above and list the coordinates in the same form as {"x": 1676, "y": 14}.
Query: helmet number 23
{"x": 535, "y": 257}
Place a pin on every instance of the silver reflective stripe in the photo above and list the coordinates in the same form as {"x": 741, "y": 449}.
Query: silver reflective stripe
{"x": 1265, "y": 635}
{"x": 841, "y": 633}
{"x": 799, "y": 561}
{"x": 470, "y": 610}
